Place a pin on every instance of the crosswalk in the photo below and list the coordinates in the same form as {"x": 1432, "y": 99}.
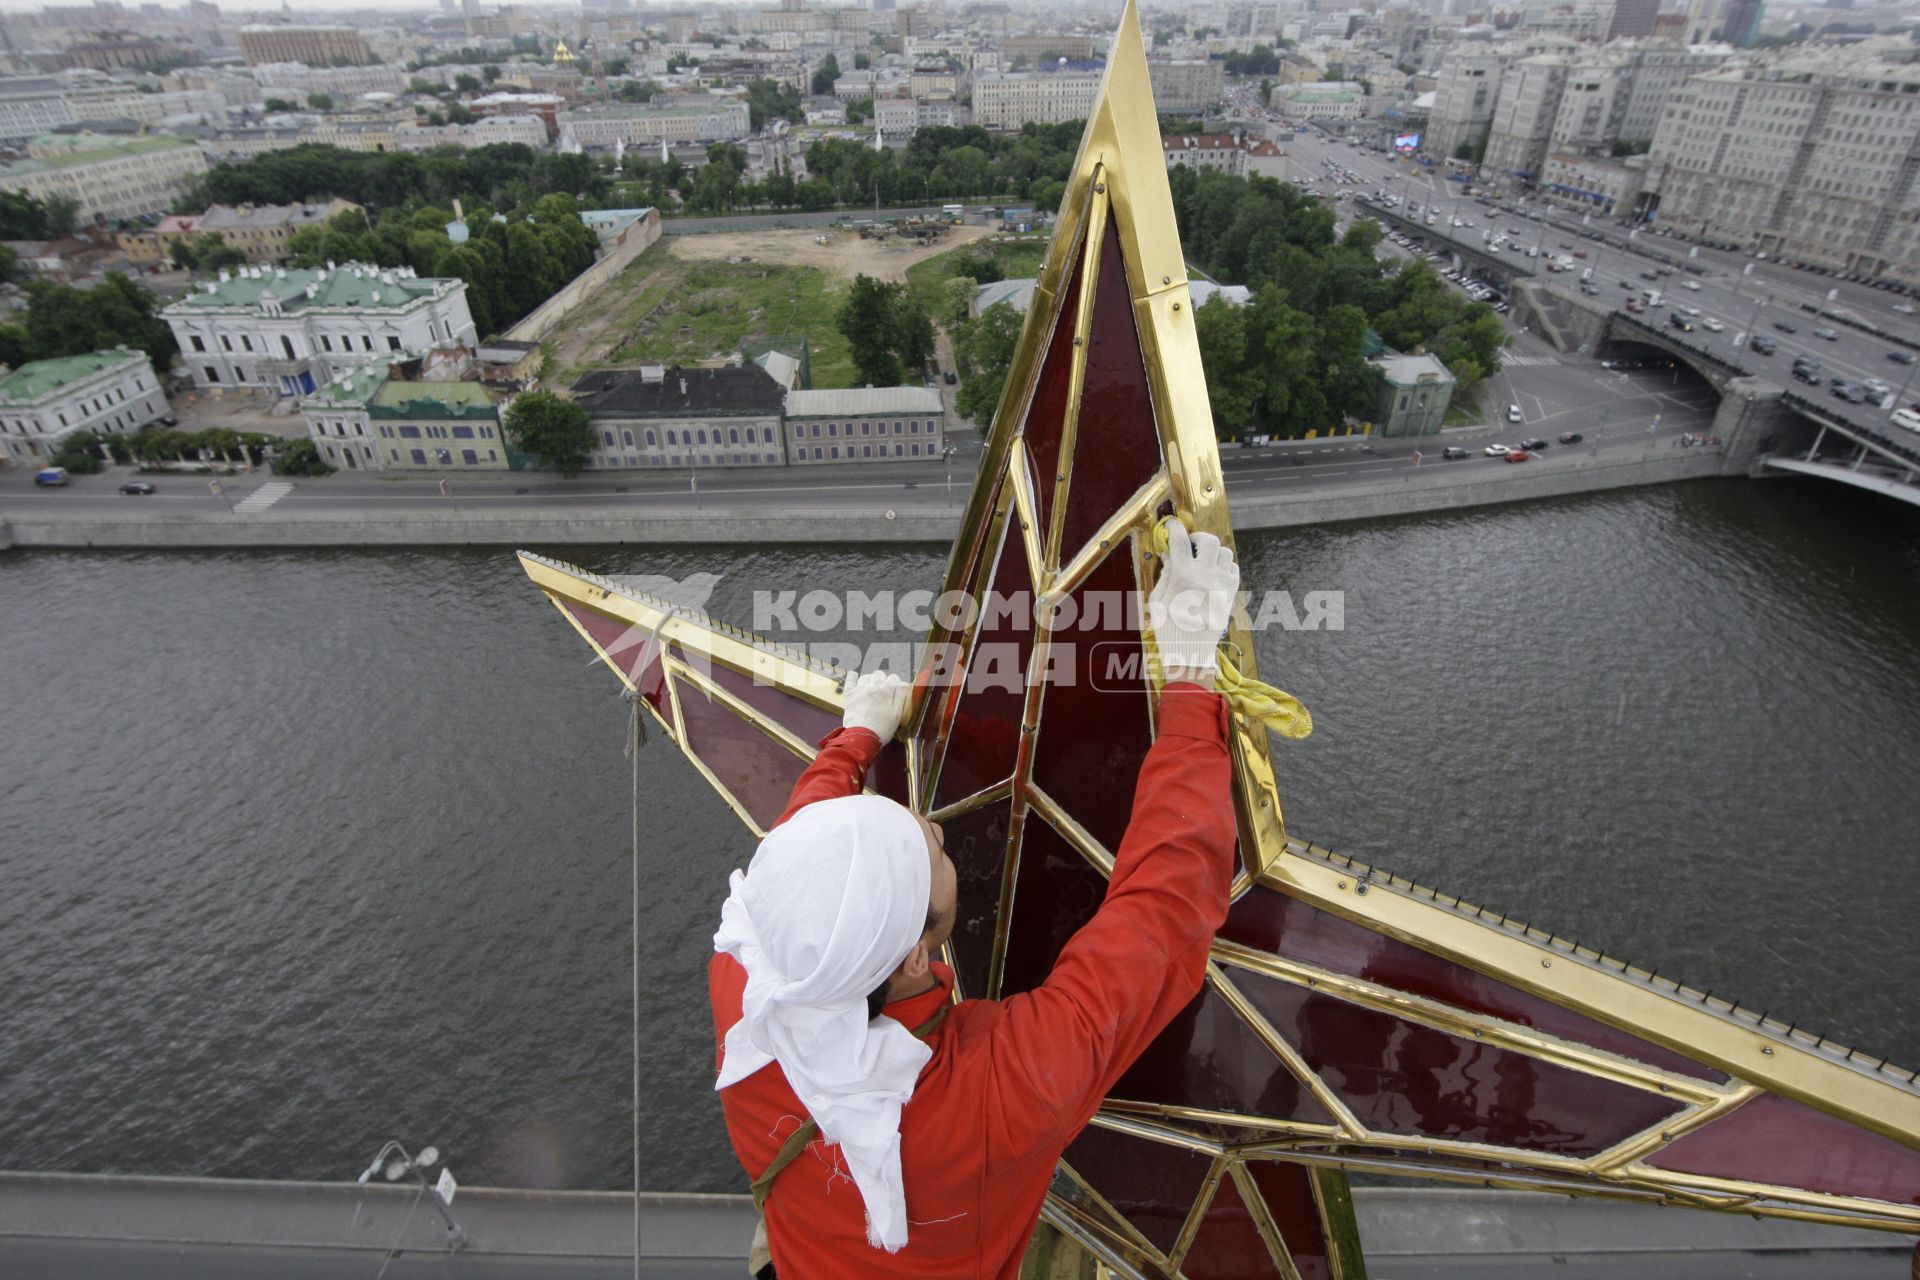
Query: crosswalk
{"x": 1523, "y": 362}
{"x": 263, "y": 497}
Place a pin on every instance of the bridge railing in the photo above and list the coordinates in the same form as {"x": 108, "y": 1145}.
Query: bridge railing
{"x": 1887, "y": 441}
{"x": 1671, "y": 337}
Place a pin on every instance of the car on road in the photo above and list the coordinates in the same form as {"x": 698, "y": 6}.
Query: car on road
{"x": 1519, "y": 455}
{"x": 1763, "y": 344}
{"x": 1852, "y": 393}
{"x": 1691, "y": 284}
{"x": 1904, "y": 308}
{"x": 1453, "y": 451}
{"x": 1712, "y": 326}
{"x": 139, "y": 488}
{"x": 50, "y": 476}
{"x": 950, "y": 378}
{"x": 1635, "y": 306}
{"x": 1572, "y": 437}
{"x": 1514, "y": 414}
{"x": 1496, "y": 451}
{"x": 1876, "y": 388}
{"x": 1534, "y": 445}
{"x": 1900, "y": 357}
{"x": 1784, "y": 327}
{"x": 1692, "y": 311}
{"x": 1829, "y": 335}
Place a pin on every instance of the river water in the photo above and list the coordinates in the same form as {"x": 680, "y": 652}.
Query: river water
{"x": 303, "y": 851}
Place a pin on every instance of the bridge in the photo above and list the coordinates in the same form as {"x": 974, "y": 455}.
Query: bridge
{"x": 1843, "y": 450}
{"x": 1502, "y": 269}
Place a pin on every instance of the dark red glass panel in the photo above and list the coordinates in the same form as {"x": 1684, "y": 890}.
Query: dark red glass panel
{"x": 1055, "y": 892}
{"x": 1046, "y": 418}
{"x": 627, "y": 647}
{"x": 1208, "y": 1058}
{"x": 1150, "y": 1183}
{"x": 794, "y": 714}
{"x": 977, "y": 843}
{"x": 1400, "y": 1077}
{"x": 755, "y": 769}
{"x": 888, "y": 775}
{"x": 1788, "y": 1144}
{"x": 1095, "y": 728}
{"x": 986, "y": 724}
{"x": 1228, "y": 1246}
{"x": 1272, "y": 921}
{"x": 1288, "y": 1191}
{"x": 1116, "y": 448}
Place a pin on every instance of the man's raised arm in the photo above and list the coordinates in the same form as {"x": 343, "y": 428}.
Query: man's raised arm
{"x": 868, "y": 723}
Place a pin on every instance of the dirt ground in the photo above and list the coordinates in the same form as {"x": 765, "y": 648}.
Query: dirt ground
{"x": 594, "y": 338}
{"x": 845, "y": 252}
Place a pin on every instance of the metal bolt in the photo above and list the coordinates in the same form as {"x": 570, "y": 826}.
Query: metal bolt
{"x": 1767, "y": 1049}
{"x": 1341, "y": 885}
{"x": 1176, "y": 306}
{"x": 1100, "y": 187}
{"x": 1078, "y": 341}
{"x": 1546, "y": 964}
{"x": 1166, "y": 279}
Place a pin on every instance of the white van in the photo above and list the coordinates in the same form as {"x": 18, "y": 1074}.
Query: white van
{"x": 1908, "y": 419}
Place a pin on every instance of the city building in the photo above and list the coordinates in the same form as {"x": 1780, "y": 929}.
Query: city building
{"x": 1039, "y": 49}
{"x": 45, "y": 401}
{"x": 527, "y": 130}
{"x": 114, "y": 50}
{"x": 371, "y": 419}
{"x": 297, "y": 80}
{"x": 1464, "y": 100}
{"x": 293, "y": 331}
{"x": 108, "y": 177}
{"x": 700, "y": 120}
{"x": 1737, "y": 22}
{"x": 667, "y": 416}
{"x": 261, "y": 43}
{"x": 264, "y": 231}
{"x": 1812, "y": 157}
{"x": 31, "y": 106}
{"x": 1632, "y": 19}
{"x": 1413, "y": 395}
{"x": 1237, "y": 153}
{"x": 1521, "y": 132}
{"x": 1599, "y": 183}
{"x": 1185, "y": 84}
{"x": 902, "y": 117}
{"x": 1007, "y": 100}
{"x": 865, "y": 424}
{"x": 545, "y": 107}
{"x": 1334, "y": 101}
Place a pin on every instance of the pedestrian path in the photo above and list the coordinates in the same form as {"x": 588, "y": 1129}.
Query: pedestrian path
{"x": 1510, "y": 362}
{"x": 263, "y": 497}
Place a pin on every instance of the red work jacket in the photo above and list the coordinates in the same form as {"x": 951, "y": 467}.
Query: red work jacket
{"x": 1011, "y": 1082}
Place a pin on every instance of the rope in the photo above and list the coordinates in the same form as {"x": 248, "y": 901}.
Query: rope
{"x": 1280, "y": 712}
{"x": 636, "y": 738}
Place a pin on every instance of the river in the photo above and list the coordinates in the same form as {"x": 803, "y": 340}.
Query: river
{"x": 300, "y": 851}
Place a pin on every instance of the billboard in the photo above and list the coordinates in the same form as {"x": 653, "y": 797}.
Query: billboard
{"x": 1407, "y": 142}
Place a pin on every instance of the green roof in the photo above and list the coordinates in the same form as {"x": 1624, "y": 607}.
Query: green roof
{"x": 40, "y": 378}
{"x": 94, "y": 149}
{"x": 431, "y": 400}
{"x": 352, "y": 285}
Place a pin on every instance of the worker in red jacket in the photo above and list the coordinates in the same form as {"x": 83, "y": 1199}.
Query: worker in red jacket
{"x": 889, "y": 1131}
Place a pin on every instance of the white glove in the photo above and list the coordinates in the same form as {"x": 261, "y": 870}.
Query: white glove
{"x": 875, "y": 701}
{"x": 1192, "y": 602}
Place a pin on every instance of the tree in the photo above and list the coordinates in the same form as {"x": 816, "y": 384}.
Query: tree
{"x": 551, "y": 428}
{"x": 466, "y": 83}
{"x": 956, "y": 298}
{"x": 1233, "y": 386}
{"x": 297, "y": 458}
{"x": 888, "y": 330}
{"x": 616, "y": 66}
{"x": 63, "y": 321}
{"x": 861, "y": 62}
{"x": 208, "y": 253}
{"x": 63, "y": 215}
{"x": 22, "y": 217}
{"x": 823, "y": 78}
{"x": 8, "y": 261}
{"x": 320, "y": 101}
{"x": 985, "y": 348}
{"x": 280, "y": 106}
{"x": 457, "y": 113}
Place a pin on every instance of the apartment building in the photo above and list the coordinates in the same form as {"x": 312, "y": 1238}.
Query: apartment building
{"x": 1185, "y": 84}
{"x": 108, "y": 177}
{"x": 1010, "y": 99}
{"x": 264, "y": 232}
{"x": 865, "y": 424}
{"x": 1037, "y": 49}
{"x": 666, "y": 416}
{"x": 1237, "y": 154}
{"x": 1465, "y": 99}
{"x": 297, "y": 80}
{"x": 293, "y": 331}
{"x": 45, "y": 401}
{"x": 262, "y": 43}
{"x": 903, "y": 117}
{"x": 1521, "y": 132}
{"x": 704, "y": 120}
{"x": 370, "y": 419}
{"x": 31, "y": 106}
{"x": 1813, "y": 157}
{"x": 527, "y": 130}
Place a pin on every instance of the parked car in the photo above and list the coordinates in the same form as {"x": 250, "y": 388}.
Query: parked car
{"x": 1453, "y": 451}
{"x": 1514, "y": 414}
{"x": 1518, "y": 455}
{"x": 950, "y": 378}
{"x": 139, "y": 488}
{"x": 1572, "y": 437}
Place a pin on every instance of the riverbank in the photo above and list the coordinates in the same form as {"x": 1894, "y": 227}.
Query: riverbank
{"x": 1434, "y": 486}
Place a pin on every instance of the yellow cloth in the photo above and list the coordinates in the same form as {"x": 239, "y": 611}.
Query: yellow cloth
{"x": 1280, "y": 712}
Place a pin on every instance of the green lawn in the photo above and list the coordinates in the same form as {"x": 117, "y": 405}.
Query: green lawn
{"x": 1014, "y": 260}
{"x": 701, "y": 311}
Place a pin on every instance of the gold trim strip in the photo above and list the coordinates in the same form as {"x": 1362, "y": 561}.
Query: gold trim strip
{"x": 1197, "y": 1214}
{"x": 1263, "y": 1222}
{"x": 1074, "y": 1176}
{"x": 1228, "y": 1119}
{"x": 1284, "y": 1050}
{"x": 1657, "y": 1136}
{"x": 1090, "y": 250}
{"x": 1074, "y": 834}
{"x": 1157, "y": 1133}
{"x": 978, "y": 800}
{"x": 1339, "y": 1227}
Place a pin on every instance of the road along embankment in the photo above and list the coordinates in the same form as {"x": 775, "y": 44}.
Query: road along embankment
{"x": 1433, "y": 486}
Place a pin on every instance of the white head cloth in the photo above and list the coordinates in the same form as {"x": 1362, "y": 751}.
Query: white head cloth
{"x": 832, "y": 902}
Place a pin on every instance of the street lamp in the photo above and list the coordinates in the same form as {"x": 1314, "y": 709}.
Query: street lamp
{"x": 393, "y": 1163}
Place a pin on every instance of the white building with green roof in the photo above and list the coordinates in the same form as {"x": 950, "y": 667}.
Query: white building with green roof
{"x": 370, "y": 420}
{"x": 109, "y": 176}
{"x": 45, "y": 401}
{"x": 292, "y": 331}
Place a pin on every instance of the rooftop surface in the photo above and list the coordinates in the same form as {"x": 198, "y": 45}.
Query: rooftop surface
{"x": 37, "y": 378}
{"x": 728, "y": 390}
{"x": 352, "y": 285}
{"x": 95, "y": 148}
{"x": 854, "y": 401}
